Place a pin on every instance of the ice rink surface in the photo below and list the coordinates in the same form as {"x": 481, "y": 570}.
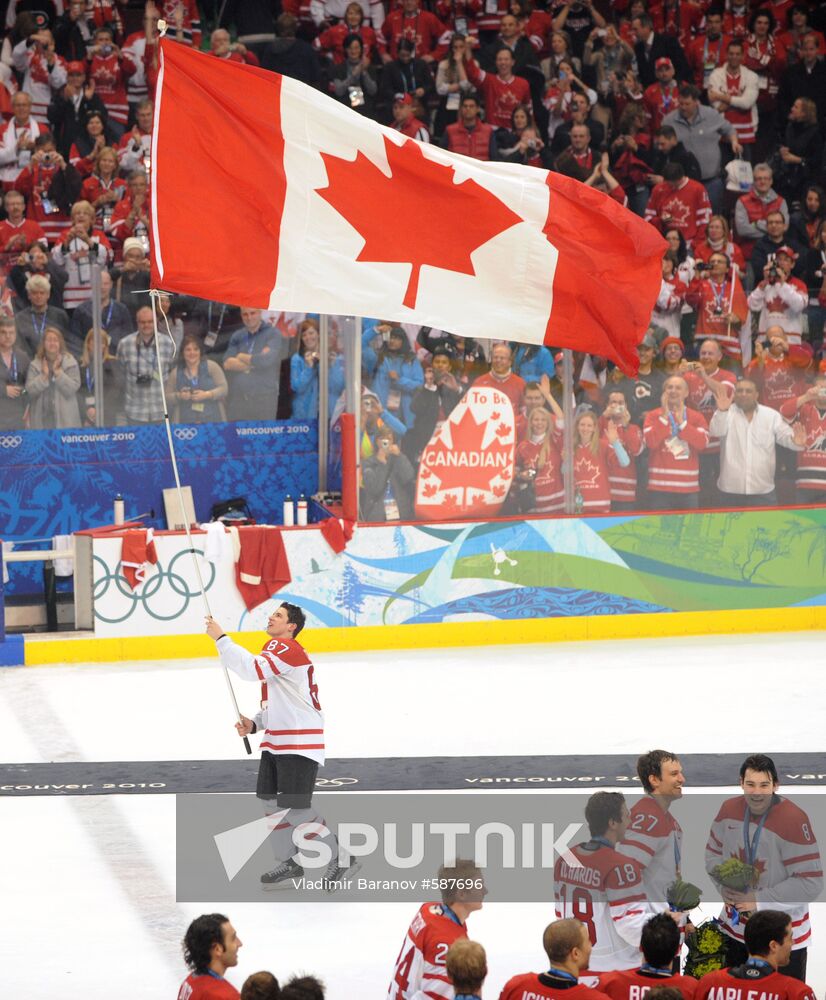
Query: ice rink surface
{"x": 87, "y": 883}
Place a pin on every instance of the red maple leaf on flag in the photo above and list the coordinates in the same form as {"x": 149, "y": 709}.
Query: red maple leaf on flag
{"x": 417, "y": 215}
{"x": 466, "y": 464}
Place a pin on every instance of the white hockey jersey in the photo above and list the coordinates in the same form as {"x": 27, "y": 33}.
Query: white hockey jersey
{"x": 654, "y": 840}
{"x": 606, "y": 893}
{"x": 292, "y": 722}
{"x": 420, "y": 972}
{"x": 785, "y": 853}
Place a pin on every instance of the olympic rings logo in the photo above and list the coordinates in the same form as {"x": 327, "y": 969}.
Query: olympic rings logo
{"x": 335, "y": 782}
{"x": 185, "y": 433}
{"x": 10, "y": 441}
{"x": 149, "y": 589}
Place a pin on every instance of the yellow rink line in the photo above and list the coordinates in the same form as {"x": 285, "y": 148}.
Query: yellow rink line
{"x": 42, "y": 651}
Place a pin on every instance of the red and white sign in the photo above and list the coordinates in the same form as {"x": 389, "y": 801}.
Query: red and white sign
{"x": 266, "y": 192}
{"x": 467, "y": 467}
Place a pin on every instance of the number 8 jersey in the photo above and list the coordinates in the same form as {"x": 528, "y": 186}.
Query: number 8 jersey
{"x": 292, "y": 720}
{"x": 605, "y": 892}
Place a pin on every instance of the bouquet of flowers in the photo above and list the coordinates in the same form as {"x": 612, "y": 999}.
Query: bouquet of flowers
{"x": 706, "y": 950}
{"x": 739, "y": 876}
{"x": 682, "y": 896}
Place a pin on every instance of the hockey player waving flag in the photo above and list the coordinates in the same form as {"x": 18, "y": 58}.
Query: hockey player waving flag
{"x": 267, "y": 193}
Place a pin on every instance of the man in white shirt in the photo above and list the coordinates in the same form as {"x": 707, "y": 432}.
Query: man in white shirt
{"x": 748, "y": 433}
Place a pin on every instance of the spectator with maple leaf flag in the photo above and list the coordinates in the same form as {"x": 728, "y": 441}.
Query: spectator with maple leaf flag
{"x": 679, "y": 203}
{"x": 718, "y": 298}
{"x": 675, "y": 435}
{"x": 501, "y": 91}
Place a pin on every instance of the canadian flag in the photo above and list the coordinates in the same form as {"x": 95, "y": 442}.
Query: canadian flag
{"x": 268, "y": 193}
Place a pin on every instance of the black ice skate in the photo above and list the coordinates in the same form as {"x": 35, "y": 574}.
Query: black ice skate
{"x": 283, "y": 876}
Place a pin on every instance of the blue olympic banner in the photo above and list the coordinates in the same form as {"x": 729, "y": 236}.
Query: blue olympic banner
{"x": 60, "y": 481}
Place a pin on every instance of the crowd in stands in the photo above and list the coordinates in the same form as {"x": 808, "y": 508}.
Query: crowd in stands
{"x": 706, "y": 120}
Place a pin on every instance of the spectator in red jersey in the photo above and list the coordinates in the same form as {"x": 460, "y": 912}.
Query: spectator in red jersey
{"x": 16, "y": 231}
{"x": 594, "y": 455}
{"x": 706, "y": 52}
{"x": 17, "y": 140}
{"x": 622, "y": 480}
{"x": 748, "y": 433}
{"x": 104, "y": 189}
{"x": 679, "y": 203}
{"x": 735, "y": 20}
{"x": 766, "y": 949}
{"x": 421, "y": 27}
{"x": 579, "y": 160}
{"x": 659, "y": 944}
{"x": 798, "y": 28}
{"x": 660, "y": 99}
{"x": 210, "y": 947}
{"x": 501, "y": 375}
{"x": 778, "y": 368}
{"x": 720, "y": 303}
{"x": 733, "y": 91}
{"x": 501, "y": 92}
{"x": 222, "y": 47}
{"x": 130, "y": 217}
{"x": 467, "y": 968}
{"x": 435, "y": 927}
{"x": 89, "y": 143}
{"x": 717, "y": 239}
{"x": 184, "y": 21}
{"x": 107, "y": 73}
{"x": 261, "y": 986}
{"x": 675, "y": 437}
{"x": 330, "y": 42}
{"x": 406, "y": 120}
{"x": 352, "y": 81}
{"x": 809, "y": 410}
{"x": 50, "y": 186}
{"x": 754, "y": 207}
{"x": 568, "y": 947}
{"x": 535, "y": 25}
{"x": 780, "y": 298}
{"x": 538, "y": 487}
{"x": 470, "y": 135}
